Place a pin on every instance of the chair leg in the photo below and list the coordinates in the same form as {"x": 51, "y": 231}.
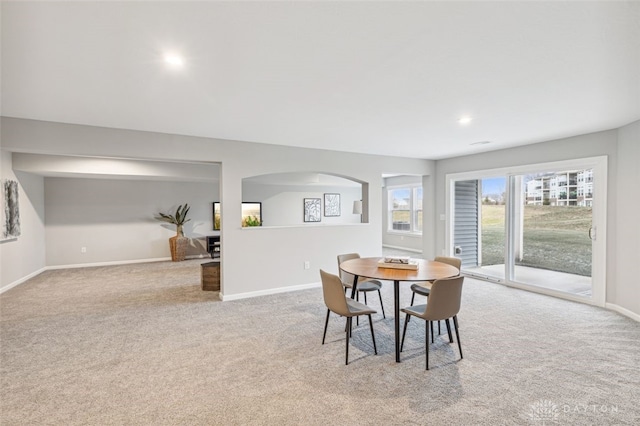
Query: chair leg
{"x": 350, "y": 323}
{"x": 373, "y": 337}
{"x": 404, "y": 331}
{"x": 365, "y": 298}
{"x": 347, "y": 327}
{"x": 432, "y": 333}
{"x": 455, "y": 324}
{"x": 413, "y": 297}
{"x": 439, "y": 328}
{"x": 325, "y": 326}
{"x": 357, "y": 300}
{"x": 381, "y": 305}
{"x": 449, "y": 330}
{"x": 346, "y": 359}
{"x": 426, "y": 340}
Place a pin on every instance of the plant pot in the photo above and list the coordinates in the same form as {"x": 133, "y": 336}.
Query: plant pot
{"x": 178, "y": 246}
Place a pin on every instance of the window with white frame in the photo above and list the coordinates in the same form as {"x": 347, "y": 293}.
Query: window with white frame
{"x": 405, "y": 209}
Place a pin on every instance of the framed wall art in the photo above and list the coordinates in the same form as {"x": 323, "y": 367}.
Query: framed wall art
{"x": 251, "y": 214}
{"x": 216, "y": 216}
{"x": 10, "y": 210}
{"x": 331, "y": 205}
{"x": 312, "y": 209}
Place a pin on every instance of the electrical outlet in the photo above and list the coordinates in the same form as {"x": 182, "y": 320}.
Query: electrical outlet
{"x": 307, "y": 264}
{"x": 83, "y": 249}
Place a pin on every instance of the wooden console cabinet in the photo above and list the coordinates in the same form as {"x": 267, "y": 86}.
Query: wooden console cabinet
{"x": 211, "y": 276}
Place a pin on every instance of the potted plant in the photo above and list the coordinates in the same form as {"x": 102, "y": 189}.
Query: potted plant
{"x": 178, "y": 243}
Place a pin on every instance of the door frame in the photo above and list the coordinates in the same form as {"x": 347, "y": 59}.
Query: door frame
{"x": 599, "y": 220}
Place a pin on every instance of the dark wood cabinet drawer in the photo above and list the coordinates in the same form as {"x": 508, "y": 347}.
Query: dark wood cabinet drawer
{"x": 211, "y": 276}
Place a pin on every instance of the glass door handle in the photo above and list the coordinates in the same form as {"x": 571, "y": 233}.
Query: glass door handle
{"x": 592, "y": 233}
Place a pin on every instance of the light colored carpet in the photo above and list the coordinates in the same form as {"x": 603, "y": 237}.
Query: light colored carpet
{"x": 142, "y": 344}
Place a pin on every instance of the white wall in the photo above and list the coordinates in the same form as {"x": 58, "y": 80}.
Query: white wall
{"x": 254, "y": 259}
{"x": 115, "y": 219}
{"x": 282, "y": 205}
{"x": 276, "y": 255}
{"x": 22, "y": 257}
{"x": 626, "y": 292}
{"x": 590, "y": 145}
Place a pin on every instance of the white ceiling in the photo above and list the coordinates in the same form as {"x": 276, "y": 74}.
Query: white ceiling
{"x": 376, "y": 77}
{"x": 114, "y": 168}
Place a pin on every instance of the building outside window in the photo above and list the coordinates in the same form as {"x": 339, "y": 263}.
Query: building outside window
{"x": 571, "y": 188}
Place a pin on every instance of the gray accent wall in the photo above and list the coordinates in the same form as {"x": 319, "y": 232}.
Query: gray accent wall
{"x": 114, "y": 220}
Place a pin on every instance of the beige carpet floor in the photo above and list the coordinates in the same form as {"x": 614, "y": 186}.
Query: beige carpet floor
{"x": 143, "y": 345}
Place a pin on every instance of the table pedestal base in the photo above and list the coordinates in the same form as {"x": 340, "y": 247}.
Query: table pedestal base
{"x": 396, "y": 307}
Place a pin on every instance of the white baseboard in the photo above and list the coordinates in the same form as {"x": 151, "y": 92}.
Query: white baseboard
{"x": 21, "y": 280}
{"x": 402, "y": 248}
{"x": 112, "y": 263}
{"x": 619, "y": 309}
{"x": 258, "y": 293}
{"x": 87, "y": 265}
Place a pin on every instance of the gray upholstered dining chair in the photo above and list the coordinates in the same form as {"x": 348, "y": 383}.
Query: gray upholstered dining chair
{"x": 365, "y": 285}
{"x": 443, "y": 303}
{"x": 338, "y": 303}
{"x": 424, "y": 288}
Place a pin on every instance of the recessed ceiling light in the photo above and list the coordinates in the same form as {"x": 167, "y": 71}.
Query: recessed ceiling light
{"x": 173, "y": 60}
{"x": 464, "y": 120}
{"x": 480, "y": 143}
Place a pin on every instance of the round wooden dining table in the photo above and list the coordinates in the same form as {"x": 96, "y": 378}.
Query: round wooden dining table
{"x": 428, "y": 270}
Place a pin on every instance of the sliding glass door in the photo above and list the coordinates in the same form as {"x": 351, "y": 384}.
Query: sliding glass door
{"x": 533, "y": 227}
{"x": 552, "y": 243}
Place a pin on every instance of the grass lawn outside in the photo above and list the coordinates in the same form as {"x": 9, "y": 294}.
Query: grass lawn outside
{"x": 554, "y": 238}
